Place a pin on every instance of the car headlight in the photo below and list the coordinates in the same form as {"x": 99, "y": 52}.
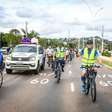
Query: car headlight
{"x": 32, "y": 58}
{"x": 8, "y": 58}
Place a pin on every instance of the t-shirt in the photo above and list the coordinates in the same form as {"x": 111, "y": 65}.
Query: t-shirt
{"x": 89, "y": 52}
{"x": 34, "y": 40}
{"x": 67, "y": 52}
{"x": 50, "y": 51}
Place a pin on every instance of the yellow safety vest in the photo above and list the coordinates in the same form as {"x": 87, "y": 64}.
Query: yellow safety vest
{"x": 60, "y": 54}
{"x": 57, "y": 54}
{"x": 88, "y": 59}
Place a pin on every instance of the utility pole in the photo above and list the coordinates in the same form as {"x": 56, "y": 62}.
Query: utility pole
{"x": 26, "y": 28}
{"x": 79, "y": 43}
{"x": 83, "y": 42}
{"x": 94, "y": 42}
{"x": 102, "y": 34}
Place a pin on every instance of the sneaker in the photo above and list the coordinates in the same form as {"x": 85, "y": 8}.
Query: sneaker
{"x": 55, "y": 76}
{"x": 62, "y": 70}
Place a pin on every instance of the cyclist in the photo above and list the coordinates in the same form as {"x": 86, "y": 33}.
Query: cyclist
{"x": 49, "y": 53}
{"x": 89, "y": 56}
{"x": 67, "y": 53}
{"x": 60, "y": 58}
{"x": 1, "y": 60}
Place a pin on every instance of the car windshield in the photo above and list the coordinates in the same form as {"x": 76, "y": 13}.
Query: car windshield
{"x": 28, "y": 49}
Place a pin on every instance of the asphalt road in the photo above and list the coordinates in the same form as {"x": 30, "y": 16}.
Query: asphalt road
{"x": 25, "y": 92}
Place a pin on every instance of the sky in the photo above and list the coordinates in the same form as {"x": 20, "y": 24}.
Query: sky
{"x": 58, "y": 18}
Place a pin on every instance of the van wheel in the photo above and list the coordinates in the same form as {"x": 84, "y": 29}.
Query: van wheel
{"x": 43, "y": 65}
{"x": 37, "y": 69}
{"x": 8, "y": 71}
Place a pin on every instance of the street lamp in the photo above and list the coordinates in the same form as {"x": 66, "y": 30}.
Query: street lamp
{"x": 95, "y": 16}
{"x": 102, "y": 34}
{"x": 26, "y": 28}
{"x": 78, "y": 43}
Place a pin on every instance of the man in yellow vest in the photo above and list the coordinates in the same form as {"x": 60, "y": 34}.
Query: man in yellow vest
{"x": 89, "y": 56}
{"x": 60, "y": 57}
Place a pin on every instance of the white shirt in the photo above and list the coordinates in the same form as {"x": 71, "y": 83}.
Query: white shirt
{"x": 34, "y": 40}
{"x": 49, "y": 51}
{"x": 67, "y": 52}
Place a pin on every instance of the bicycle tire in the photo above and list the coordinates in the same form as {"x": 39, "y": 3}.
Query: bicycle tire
{"x": 87, "y": 87}
{"x": 58, "y": 74}
{"x": 93, "y": 90}
{"x": 1, "y": 79}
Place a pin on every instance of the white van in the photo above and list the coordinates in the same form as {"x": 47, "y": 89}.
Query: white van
{"x": 26, "y": 57}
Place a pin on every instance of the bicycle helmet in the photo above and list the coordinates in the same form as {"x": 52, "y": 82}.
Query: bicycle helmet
{"x": 90, "y": 42}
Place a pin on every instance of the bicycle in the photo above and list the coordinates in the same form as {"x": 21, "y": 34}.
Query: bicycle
{"x": 1, "y": 75}
{"x": 90, "y": 83}
{"x": 1, "y": 78}
{"x": 58, "y": 69}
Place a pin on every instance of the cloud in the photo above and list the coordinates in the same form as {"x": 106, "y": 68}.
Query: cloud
{"x": 56, "y": 17}
{"x": 24, "y": 12}
{"x": 2, "y": 12}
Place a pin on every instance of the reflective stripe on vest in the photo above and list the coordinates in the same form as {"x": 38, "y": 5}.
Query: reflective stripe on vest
{"x": 88, "y": 59}
{"x": 61, "y": 54}
{"x": 57, "y": 54}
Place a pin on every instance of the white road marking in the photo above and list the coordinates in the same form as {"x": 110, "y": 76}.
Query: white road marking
{"x": 50, "y": 74}
{"x": 72, "y": 86}
{"x": 109, "y": 75}
{"x": 109, "y": 82}
{"x": 70, "y": 72}
{"x": 44, "y": 81}
{"x": 104, "y": 76}
{"x": 41, "y": 74}
{"x": 34, "y": 81}
{"x": 99, "y": 76}
{"x": 45, "y": 74}
{"x": 104, "y": 84}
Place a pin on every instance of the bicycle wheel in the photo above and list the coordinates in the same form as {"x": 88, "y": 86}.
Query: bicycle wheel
{"x": 87, "y": 87}
{"x": 58, "y": 74}
{"x": 1, "y": 79}
{"x": 93, "y": 90}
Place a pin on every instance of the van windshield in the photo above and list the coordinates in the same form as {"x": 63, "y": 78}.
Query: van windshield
{"x": 28, "y": 49}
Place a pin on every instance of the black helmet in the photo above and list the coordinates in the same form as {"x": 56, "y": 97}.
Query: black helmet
{"x": 90, "y": 42}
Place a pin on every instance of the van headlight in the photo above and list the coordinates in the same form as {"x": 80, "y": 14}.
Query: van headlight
{"x": 8, "y": 58}
{"x": 32, "y": 58}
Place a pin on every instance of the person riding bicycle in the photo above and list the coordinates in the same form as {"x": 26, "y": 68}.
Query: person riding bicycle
{"x": 89, "y": 57}
{"x": 49, "y": 53}
{"x": 60, "y": 58}
{"x": 1, "y": 60}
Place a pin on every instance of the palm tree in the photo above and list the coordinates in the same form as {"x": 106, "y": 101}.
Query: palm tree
{"x": 14, "y": 31}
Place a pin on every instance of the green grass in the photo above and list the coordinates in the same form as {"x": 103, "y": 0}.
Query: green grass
{"x": 108, "y": 63}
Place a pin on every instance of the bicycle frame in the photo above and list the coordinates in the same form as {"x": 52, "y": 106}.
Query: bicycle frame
{"x": 58, "y": 69}
{"x": 90, "y": 81}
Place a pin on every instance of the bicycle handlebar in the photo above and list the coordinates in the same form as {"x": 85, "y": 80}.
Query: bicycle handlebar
{"x": 91, "y": 66}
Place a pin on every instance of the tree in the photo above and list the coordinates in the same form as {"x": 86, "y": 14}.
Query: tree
{"x": 33, "y": 34}
{"x": 14, "y": 31}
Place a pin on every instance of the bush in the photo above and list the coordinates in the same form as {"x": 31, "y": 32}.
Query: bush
{"x": 106, "y": 53}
